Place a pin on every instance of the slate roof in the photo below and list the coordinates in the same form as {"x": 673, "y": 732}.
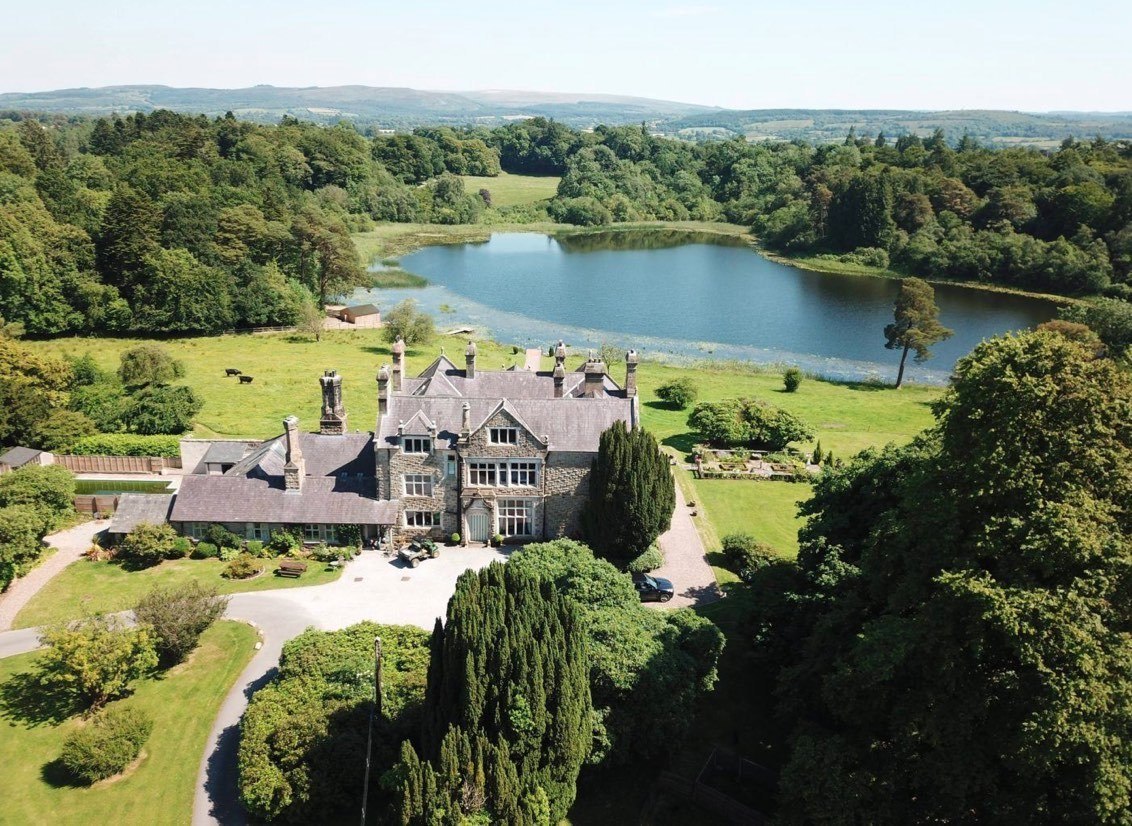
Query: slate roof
{"x": 339, "y": 486}
{"x": 226, "y": 453}
{"x": 443, "y": 378}
{"x": 18, "y": 456}
{"x": 573, "y": 424}
{"x": 137, "y": 508}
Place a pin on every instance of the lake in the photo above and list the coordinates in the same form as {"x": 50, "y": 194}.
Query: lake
{"x": 680, "y": 296}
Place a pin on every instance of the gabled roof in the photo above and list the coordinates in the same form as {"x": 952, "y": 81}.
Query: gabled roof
{"x": 19, "y": 456}
{"x": 506, "y": 406}
{"x": 437, "y": 385}
{"x": 137, "y": 508}
{"x": 441, "y": 364}
{"x": 417, "y": 424}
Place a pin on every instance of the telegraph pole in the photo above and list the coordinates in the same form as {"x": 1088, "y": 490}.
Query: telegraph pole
{"x": 374, "y": 711}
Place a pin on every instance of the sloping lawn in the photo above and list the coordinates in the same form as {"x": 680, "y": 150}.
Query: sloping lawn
{"x": 182, "y": 702}
{"x": 767, "y": 509}
{"x": 104, "y": 587}
{"x": 512, "y": 190}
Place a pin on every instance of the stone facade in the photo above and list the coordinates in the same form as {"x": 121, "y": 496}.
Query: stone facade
{"x": 495, "y": 471}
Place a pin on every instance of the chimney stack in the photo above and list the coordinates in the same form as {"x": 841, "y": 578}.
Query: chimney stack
{"x": 398, "y": 363}
{"x": 470, "y": 360}
{"x": 559, "y": 381}
{"x": 295, "y": 469}
{"x": 631, "y": 361}
{"x": 595, "y": 377}
{"x": 333, "y": 421}
{"x": 383, "y": 390}
{"x": 560, "y": 353}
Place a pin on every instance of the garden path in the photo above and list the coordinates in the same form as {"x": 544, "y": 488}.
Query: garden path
{"x": 69, "y": 547}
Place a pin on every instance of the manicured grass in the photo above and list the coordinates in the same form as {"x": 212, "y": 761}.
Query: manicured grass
{"x": 103, "y": 587}
{"x": 514, "y": 190}
{"x": 846, "y": 418}
{"x": 767, "y": 509}
{"x": 182, "y": 702}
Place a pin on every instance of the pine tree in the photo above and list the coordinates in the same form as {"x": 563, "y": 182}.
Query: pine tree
{"x": 632, "y": 494}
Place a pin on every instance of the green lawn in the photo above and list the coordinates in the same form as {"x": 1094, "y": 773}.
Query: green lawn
{"x": 102, "y": 587}
{"x": 182, "y": 702}
{"x": 514, "y": 190}
{"x": 846, "y": 418}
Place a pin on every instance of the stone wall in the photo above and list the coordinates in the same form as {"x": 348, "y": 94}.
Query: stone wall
{"x": 567, "y": 485}
{"x": 393, "y": 465}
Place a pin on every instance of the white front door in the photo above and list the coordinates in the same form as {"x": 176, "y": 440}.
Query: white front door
{"x": 479, "y": 525}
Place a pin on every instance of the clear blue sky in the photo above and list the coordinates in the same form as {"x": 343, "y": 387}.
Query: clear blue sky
{"x": 1007, "y": 54}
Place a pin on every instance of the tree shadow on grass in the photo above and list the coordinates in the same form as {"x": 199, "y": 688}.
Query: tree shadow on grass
{"x": 683, "y": 443}
{"x": 28, "y": 700}
{"x": 58, "y": 776}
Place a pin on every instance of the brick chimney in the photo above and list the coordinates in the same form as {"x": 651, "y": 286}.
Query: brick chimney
{"x": 631, "y": 361}
{"x": 383, "y": 390}
{"x": 333, "y": 421}
{"x": 470, "y": 360}
{"x": 595, "y": 377}
{"x": 398, "y": 363}
{"x": 559, "y": 381}
{"x": 295, "y": 469}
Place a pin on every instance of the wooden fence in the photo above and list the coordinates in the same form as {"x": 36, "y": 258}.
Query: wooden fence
{"x": 96, "y": 505}
{"x": 117, "y": 464}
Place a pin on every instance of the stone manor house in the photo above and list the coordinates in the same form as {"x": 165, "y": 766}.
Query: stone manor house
{"x": 456, "y": 450}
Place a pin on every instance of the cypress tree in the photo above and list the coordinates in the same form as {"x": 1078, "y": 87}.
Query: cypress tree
{"x": 632, "y": 494}
{"x": 509, "y": 674}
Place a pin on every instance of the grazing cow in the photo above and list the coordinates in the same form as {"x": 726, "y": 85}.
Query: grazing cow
{"x": 232, "y": 371}
{"x": 245, "y": 379}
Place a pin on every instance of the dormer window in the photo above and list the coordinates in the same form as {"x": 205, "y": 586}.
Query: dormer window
{"x": 504, "y": 435}
{"x": 416, "y": 444}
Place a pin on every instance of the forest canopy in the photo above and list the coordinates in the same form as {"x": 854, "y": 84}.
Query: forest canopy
{"x": 172, "y": 222}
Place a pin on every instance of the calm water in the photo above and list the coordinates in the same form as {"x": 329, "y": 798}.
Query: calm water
{"x": 683, "y": 295}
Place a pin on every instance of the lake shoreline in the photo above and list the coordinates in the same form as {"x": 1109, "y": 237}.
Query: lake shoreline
{"x": 385, "y": 242}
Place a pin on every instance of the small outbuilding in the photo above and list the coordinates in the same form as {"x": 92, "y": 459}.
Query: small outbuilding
{"x": 16, "y": 457}
{"x": 137, "y": 508}
{"x": 359, "y": 313}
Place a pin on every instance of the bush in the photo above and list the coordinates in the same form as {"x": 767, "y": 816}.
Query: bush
{"x": 49, "y": 488}
{"x": 255, "y": 548}
{"x": 21, "y": 532}
{"x": 147, "y": 545}
{"x": 94, "y": 660}
{"x": 205, "y": 550}
{"x": 349, "y": 536}
{"x": 745, "y": 555}
{"x": 868, "y": 256}
{"x": 182, "y": 546}
{"x": 650, "y": 560}
{"x": 148, "y": 364}
{"x": 227, "y": 554}
{"x": 178, "y": 616}
{"x": 107, "y": 744}
{"x": 127, "y": 444}
{"x": 792, "y": 379}
{"x": 747, "y": 422}
{"x": 242, "y": 567}
{"x": 679, "y": 393}
{"x": 285, "y": 541}
{"x": 221, "y": 537}
{"x": 454, "y": 539}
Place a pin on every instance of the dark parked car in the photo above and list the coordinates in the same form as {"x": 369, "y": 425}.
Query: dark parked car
{"x": 653, "y": 588}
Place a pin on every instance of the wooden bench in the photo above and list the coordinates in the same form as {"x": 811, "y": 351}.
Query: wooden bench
{"x": 246, "y": 379}
{"x": 232, "y": 371}
{"x": 291, "y": 568}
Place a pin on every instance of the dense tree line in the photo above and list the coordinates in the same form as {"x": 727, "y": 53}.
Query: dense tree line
{"x": 953, "y": 641}
{"x": 184, "y": 223}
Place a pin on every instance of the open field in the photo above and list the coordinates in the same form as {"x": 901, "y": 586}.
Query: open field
{"x": 104, "y": 587}
{"x": 514, "y": 190}
{"x": 182, "y": 702}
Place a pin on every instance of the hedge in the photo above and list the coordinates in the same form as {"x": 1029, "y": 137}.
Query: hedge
{"x": 127, "y": 444}
{"x": 107, "y": 744}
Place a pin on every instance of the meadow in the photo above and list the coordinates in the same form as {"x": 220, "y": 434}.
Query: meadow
{"x": 514, "y": 190}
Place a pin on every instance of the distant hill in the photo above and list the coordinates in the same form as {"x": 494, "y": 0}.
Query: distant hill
{"x": 366, "y": 105}
{"x": 402, "y": 108}
{"x": 824, "y": 125}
